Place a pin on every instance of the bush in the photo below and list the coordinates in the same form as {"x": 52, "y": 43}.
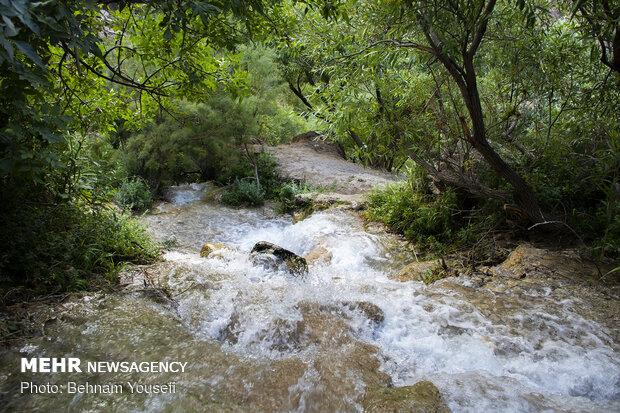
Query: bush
{"x": 287, "y": 194}
{"x": 431, "y": 220}
{"x": 287, "y": 197}
{"x": 64, "y": 247}
{"x": 243, "y": 192}
{"x": 134, "y": 194}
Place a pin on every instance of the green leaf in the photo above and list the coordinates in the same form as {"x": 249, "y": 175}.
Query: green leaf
{"x": 9, "y": 28}
{"x": 7, "y": 46}
{"x": 168, "y": 34}
{"x": 27, "y": 50}
{"x": 25, "y": 18}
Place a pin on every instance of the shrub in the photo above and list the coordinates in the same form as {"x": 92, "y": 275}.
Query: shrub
{"x": 430, "y": 220}
{"x": 243, "y": 192}
{"x": 134, "y": 194}
{"x": 62, "y": 247}
{"x": 287, "y": 197}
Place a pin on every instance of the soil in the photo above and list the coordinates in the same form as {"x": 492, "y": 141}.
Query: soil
{"x": 308, "y": 158}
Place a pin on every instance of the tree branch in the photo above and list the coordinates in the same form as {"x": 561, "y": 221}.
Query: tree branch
{"x": 482, "y": 27}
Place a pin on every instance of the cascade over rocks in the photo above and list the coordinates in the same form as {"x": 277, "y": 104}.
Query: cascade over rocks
{"x": 294, "y": 262}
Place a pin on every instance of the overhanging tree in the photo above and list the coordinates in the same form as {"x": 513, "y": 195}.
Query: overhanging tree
{"x": 451, "y": 34}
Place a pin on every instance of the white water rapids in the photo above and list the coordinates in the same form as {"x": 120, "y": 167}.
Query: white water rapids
{"x": 258, "y": 339}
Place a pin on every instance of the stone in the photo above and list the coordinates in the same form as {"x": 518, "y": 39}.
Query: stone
{"x": 210, "y": 247}
{"x": 372, "y": 311}
{"x": 413, "y": 271}
{"x": 320, "y": 201}
{"x": 300, "y": 216}
{"x": 296, "y": 264}
{"x": 214, "y": 195}
{"x": 422, "y": 397}
{"x": 319, "y": 255}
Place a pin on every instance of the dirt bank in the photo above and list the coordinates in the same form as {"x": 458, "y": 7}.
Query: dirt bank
{"x": 310, "y": 159}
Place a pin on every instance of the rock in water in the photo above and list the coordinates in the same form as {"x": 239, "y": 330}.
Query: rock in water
{"x": 422, "y": 397}
{"x": 319, "y": 255}
{"x": 372, "y": 311}
{"x": 413, "y": 271}
{"x": 209, "y": 247}
{"x": 294, "y": 262}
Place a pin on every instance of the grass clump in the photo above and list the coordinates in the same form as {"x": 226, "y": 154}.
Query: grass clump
{"x": 430, "y": 220}
{"x": 287, "y": 197}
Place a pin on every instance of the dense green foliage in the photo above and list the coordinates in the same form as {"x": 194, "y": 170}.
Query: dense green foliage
{"x": 506, "y": 104}
{"x": 509, "y": 104}
{"x": 243, "y": 192}
{"x": 64, "y": 245}
{"x": 102, "y": 103}
{"x": 134, "y": 194}
{"x": 435, "y": 222}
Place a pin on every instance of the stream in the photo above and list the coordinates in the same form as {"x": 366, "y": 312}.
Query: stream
{"x": 257, "y": 338}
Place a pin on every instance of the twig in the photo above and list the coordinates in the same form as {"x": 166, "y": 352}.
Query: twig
{"x": 557, "y": 222}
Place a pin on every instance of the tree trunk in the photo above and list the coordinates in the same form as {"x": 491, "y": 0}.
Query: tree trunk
{"x": 254, "y": 163}
{"x": 465, "y": 78}
{"x": 525, "y": 195}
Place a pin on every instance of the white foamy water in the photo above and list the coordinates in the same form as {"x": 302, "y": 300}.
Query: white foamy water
{"x": 184, "y": 193}
{"x": 485, "y": 351}
{"x": 537, "y": 355}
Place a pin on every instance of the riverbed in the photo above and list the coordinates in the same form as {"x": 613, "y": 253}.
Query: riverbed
{"x": 257, "y": 337}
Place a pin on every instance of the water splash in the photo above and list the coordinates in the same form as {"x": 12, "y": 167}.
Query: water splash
{"x": 485, "y": 350}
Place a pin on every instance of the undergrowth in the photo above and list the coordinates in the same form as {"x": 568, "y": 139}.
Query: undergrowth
{"x": 63, "y": 247}
{"x": 438, "y": 223}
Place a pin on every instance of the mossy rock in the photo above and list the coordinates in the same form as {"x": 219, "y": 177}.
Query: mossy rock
{"x": 422, "y": 397}
{"x": 214, "y": 195}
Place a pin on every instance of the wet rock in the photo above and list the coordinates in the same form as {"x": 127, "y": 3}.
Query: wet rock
{"x": 319, "y": 255}
{"x": 230, "y": 333}
{"x": 208, "y": 248}
{"x": 296, "y": 264}
{"x": 413, "y": 271}
{"x": 355, "y": 202}
{"x": 372, "y": 311}
{"x": 528, "y": 261}
{"x": 214, "y": 195}
{"x": 422, "y": 397}
{"x": 301, "y": 215}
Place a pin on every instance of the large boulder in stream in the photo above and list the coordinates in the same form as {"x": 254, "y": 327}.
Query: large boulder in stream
{"x": 422, "y": 397}
{"x": 296, "y": 264}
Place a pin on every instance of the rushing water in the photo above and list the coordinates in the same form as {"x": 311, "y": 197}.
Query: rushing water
{"x": 257, "y": 338}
